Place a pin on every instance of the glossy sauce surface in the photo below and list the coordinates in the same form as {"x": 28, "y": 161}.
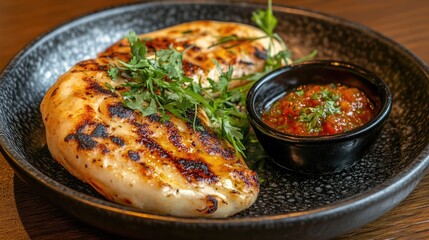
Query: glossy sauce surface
{"x": 318, "y": 110}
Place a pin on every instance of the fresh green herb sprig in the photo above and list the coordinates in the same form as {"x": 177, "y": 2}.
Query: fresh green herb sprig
{"x": 159, "y": 86}
{"x": 265, "y": 20}
{"x": 313, "y": 116}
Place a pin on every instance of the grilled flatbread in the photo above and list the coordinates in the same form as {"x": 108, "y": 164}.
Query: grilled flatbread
{"x": 160, "y": 167}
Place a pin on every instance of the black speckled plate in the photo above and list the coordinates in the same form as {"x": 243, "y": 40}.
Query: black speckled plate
{"x": 289, "y": 205}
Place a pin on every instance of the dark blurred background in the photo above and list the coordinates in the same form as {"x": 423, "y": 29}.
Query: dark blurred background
{"x": 21, "y": 21}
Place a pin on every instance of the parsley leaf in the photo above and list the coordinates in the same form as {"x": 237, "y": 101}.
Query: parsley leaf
{"x": 159, "y": 86}
{"x": 113, "y": 73}
{"x": 265, "y": 20}
{"x": 313, "y": 116}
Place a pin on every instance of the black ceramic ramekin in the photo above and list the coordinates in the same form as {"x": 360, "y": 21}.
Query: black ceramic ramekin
{"x": 317, "y": 154}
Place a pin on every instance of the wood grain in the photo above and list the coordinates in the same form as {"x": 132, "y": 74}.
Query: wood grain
{"x": 26, "y": 215}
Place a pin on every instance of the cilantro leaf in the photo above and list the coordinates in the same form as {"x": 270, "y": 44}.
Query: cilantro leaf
{"x": 313, "y": 116}
{"x": 159, "y": 86}
{"x": 265, "y": 20}
{"x": 113, "y": 73}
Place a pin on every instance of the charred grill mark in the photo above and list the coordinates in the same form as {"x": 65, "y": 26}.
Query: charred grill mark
{"x": 96, "y": 87}
{"x": 123, "y": 56}
{"x": 104, "y": 150}
{"x": 261, "y": 54}
{"x": 117, "y": 140}
{"x": 176, "y": 140}
{"x": 146, "y": 140}
{"x": 174, "y": 136}
{"x": 118, "y": 110}
{"x": 191, "y": 170}
{"x": 192, "y": 121}
{"x": 89, "y": 65}
{"x": 255, "y": 179}
{"x": 248, "y": 180}
{"x": 213, "y": 145}
{"x": 133, "y": 155}
{"x": 246, "y": 63}
{"x": 190, "y": 68}
{"x": 146, "y": 169}
{"x": 195, "y": 170}
{"x": 209, "y": 140}
{"x": 99, "y": 132}
{"x": 194, "y": 47}
{"x": 223, "y": 61}
{"x": 120, "y": 88}
{"x": 153, "y": 147}
{"x": 154, "y": 118}
{"x": 142, "y": 128}
{"x": 212, "y": 205}
{"x": 201, "y": 58}
{"x": 159, "y": 43}
{"x": 228, "y": 153}
{"x": 86, "y": 141}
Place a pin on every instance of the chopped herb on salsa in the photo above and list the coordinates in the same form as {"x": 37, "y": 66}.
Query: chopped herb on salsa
{"x": 316, "y": 110}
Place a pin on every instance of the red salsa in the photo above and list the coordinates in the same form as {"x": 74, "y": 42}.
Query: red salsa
{"x": 317, "y": 110}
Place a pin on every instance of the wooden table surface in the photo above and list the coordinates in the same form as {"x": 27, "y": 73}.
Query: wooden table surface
{"x": 25, "y": 215}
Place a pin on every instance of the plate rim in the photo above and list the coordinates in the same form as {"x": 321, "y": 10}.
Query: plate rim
{"x": 407, "y": 175}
